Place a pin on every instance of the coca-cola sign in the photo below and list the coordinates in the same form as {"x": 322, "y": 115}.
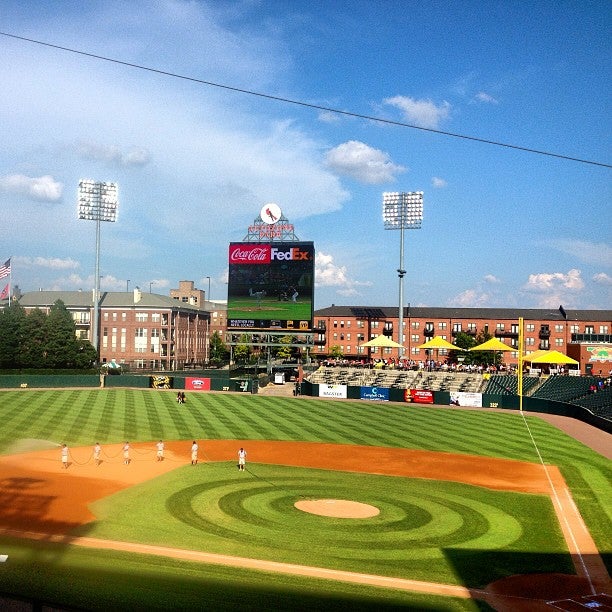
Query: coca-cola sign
{"x": 249, "y": 254}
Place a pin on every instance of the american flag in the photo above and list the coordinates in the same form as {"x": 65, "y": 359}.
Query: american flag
{"x": 5, "y": 268}
{"x": 5, "y": 292}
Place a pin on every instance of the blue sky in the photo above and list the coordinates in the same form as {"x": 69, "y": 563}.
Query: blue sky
{"x": 195, "y": 163}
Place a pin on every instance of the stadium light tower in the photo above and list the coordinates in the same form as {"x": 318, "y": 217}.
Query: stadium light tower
{"x": 97, "y": 201}
{"x": 402, "y": 211}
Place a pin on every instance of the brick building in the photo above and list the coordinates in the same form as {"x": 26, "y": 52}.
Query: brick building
{"x": 142, "y": 330}
{"x": 347, "y": 327}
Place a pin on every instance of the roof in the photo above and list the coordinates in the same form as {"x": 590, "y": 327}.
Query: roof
{"x": 435, "y": 312}
{"x": 108, "y": 299}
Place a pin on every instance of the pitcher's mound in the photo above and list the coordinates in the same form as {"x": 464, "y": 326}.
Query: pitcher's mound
{"x": 337, "y": 508}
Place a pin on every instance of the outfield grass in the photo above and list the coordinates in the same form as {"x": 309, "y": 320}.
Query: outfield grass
{"x": 463, "y": 549}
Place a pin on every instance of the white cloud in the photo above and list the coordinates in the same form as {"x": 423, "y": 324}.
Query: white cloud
{"x": 601, "y": 278}
{"x": 423, "y": 113}
{"x": 137, "y": 156}
{"x": 481, "y": 96}
{"x": 492, "y": 279}
{"x": 328, "y": 274}
{"x": 589, "y": 252}
{"x": 42, "y": 188}
{"x": 438, "y": 183}
{"x": 53, "y": 263}
{"x": 362, "y": 162}
{"x": 470, "y": 298}
{"x": 329, "y": 117}
{"x": 544, "y": 282}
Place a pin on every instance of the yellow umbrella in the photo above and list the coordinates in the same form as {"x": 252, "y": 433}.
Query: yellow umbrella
{"x": 439, "y": 343}
{"x": 554, "y": 357}
{"x": 493, "y": 345}
{"x": 382, "y": 341}
{"x": 534, "y": 355}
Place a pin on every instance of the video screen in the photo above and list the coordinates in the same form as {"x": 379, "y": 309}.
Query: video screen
{"x": 271, "y": 286}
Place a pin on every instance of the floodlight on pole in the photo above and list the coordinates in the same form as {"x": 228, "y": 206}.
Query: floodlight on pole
{"x": 402, "y": 211}
{"x": 97, "y": 201}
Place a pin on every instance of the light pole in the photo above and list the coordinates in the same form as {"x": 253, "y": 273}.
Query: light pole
{"x": 151, "y": 283}
{"x": 402, "y": 211}
{"x": 208, "y": 294}
{"x": 97, "y": 201}
{"x": 127, "y": 285}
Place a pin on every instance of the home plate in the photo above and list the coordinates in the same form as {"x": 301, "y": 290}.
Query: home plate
{"x": 337, "y": 508}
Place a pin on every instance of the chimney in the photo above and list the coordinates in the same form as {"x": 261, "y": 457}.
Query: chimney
{"x": 137, "y": 295}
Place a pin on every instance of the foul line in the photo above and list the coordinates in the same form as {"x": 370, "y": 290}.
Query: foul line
{"x": 561, "y": 513}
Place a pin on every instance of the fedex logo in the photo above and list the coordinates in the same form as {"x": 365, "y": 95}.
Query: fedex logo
{"x": 292, "y": 254}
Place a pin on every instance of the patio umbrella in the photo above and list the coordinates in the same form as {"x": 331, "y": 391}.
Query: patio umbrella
{"x": 554, "y": 357}
{"x": 494, "y": 345}
{"x": 534, "y": 355}
{"x": 439, "y": 343}
{"x": 382, "y": 341}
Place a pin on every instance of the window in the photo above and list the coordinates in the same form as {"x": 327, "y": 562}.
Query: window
{"x": 456, "y": 328}
{"x": 155, "y": 333}
{"x": 603, "y": 329}
{"x": 500, "y": 326}
{"x": 140, "y": 332}
{"x": 530, "y": 327}
{"x": 589, "y": 329}
{"x": 414, "y": 338}
{"x": 529, "y": 341}
{"x": 575, "y": 329}
{"x": 471, "y": 327}
{"x": 361, "y": 324}
{"x": 415, "y": 324}
{"x": 184, "y": 299}
{"x": 558, "y": 328}
{"x": 106, "y": 316}
{"x": 375, "y": 324}
{"x": 429, "y": 326}
{"x": 335, "y": 323}
{"x": 514, "y": 328}
{"x": 141, "y": 317}
{"x": 156, "y": 317}
{"x": 558, "y": 341}
{"x": 442, "y": 325}
{"x": 341, "y": 323}
{"x": 114, "y": 316}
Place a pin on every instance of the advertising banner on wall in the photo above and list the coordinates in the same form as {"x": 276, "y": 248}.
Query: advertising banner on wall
{"x": 338, "y": 391}
{"x": 374, "y": 393}
{"x": 195, "y": 383}
{"x": 161, "y": 382}
{"x": 270, "y": 286}
{"x": 419, "y": 396}
{"x": 462, "y": 398}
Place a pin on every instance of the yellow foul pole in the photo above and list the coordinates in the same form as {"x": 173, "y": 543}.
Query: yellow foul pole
{"x": 520, "y": 364}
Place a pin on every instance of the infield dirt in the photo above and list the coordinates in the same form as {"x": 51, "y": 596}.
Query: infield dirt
{"x": 44, "y": 499}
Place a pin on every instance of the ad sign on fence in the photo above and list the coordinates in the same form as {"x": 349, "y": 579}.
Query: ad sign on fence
{"x": 462, "y": 398}
{"x": 195, "y": 383}
{"x": 338, "y": 391}
{"x": 380, "y": 394}
{"x": 270, "y": 286}
{"x": 419, "y": 396}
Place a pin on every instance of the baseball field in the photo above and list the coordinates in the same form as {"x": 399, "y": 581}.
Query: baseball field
{"x": 343, "y": 504}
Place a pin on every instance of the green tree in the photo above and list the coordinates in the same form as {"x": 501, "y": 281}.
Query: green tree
{"x": 242, "y": 352}
{"x": 466, "y": 342}
{"x": 218, "y": 349}
{"x": 34, "y": 345}
{"x": 485, "y": 358}
{"x": 12, "y": 328}
{"x": 336, "y": 352}
{"x": 62, "y": 345}
{"x": 285, "y": 351}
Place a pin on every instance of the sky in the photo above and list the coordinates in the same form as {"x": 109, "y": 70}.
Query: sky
{"x": 196, "y": 158}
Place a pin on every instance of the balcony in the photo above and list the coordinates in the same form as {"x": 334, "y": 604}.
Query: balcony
{"x": 429, "y": 332}
{"x": 319, "y": 341}
{"x": 506, "y": 333}
{"x": 544, "y": 333}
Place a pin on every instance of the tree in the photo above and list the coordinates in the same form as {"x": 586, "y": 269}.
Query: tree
{"x": 336, "y": 352}
{"x": 218, "y": 349}
{"x": 62, "y": 344}
{"x": 466, "y": 342}
{"x": 284, "y": 352}
{"x": 12, "y": 327}
{"x": 34, "y": 345}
